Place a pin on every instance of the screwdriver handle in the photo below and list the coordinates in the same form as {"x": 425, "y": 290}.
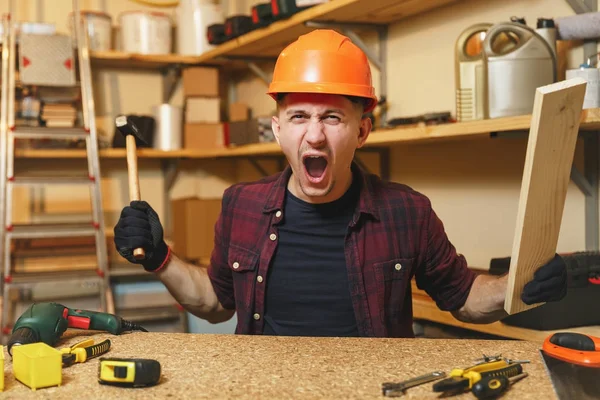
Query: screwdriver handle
{"x": 492, "y": 386}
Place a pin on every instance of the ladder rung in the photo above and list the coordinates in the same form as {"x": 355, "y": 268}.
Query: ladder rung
{"x": 36, "y": 231}
{"x": 49, "y": 133}
{"x": 55, "y": 276}
{"x": 52, "y": 180}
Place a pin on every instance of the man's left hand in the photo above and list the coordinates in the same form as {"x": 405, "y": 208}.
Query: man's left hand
{"x": 549, "y": 283}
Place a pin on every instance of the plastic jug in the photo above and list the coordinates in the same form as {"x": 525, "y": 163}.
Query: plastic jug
{"x": 519, "y": 60}
{"x": 471, "y": 73}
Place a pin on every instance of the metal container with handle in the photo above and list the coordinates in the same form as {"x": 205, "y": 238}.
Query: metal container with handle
{"x": 519, "y": 60}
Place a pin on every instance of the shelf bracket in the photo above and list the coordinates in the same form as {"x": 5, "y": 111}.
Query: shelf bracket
{"x": 384, "y": 161}
{"x": 581, "y": 6}
{"x": 259, "y": 72}
{"x": 258, "y": 167}
{"x": 252, "y": 66}
{"x": 170, "y": 171}
{"x": 171, "y": 75}
{"x": 379, "y": 60}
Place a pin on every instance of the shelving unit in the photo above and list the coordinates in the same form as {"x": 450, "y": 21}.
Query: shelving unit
{"x": 349, "y": 16}
{"x": 590, "y": 121}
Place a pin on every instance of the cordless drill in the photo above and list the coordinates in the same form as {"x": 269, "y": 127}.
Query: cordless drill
{"x": 46, "y": 322}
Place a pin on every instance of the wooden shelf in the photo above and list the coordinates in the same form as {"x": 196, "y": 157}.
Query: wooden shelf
{"x": 117, "y": 59}
{"x": 590, "y": 120}
{"x": 270, "y": 40}
{"x": 424, "y": 308}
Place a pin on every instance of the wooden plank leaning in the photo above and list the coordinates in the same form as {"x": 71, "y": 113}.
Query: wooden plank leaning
{"x": 550, "y": 152}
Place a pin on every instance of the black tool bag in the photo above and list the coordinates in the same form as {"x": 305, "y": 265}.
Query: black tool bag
{"x": 575, "y": 309}
{"x": 145, "y": 123}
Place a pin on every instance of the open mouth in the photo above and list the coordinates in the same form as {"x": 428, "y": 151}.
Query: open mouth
{"x": 315, "y": 167}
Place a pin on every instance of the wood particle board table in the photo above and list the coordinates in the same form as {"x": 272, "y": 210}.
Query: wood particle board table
{"x": 260, "y": 367}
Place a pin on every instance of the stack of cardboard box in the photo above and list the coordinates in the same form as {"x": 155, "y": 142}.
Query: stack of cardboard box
{"x": 203, "y": 109}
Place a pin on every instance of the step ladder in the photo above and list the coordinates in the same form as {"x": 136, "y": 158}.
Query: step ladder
{"x": 97, "y": 281}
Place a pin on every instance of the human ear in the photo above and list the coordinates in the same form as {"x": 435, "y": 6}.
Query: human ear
{"x": 275, "y": 127}
{"x": 363, "y": 130}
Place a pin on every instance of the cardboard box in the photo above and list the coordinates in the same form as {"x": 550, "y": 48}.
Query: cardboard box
{"x": 242, "y": 132}
{"x": 193, "y": 226}
{"x": 239, "y": 112}
{"x": 203, "y": 109}
{"x": 200, "y": 81}
{"x": 203, "y": 136}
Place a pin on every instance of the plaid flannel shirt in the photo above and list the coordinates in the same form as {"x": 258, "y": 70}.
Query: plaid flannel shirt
{"x": 394, "y": 236}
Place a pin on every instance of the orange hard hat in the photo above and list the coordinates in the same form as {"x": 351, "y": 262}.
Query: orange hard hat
{"x": 324, "y": 61}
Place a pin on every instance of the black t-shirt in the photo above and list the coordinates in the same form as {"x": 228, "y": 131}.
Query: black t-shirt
{"x": 307, "y": 291}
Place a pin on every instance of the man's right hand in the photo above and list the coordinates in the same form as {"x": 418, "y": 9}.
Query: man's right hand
{"x": 139, "y": 226}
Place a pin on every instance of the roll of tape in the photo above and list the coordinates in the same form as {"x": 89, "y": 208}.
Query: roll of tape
{"x": 168, "y": 132}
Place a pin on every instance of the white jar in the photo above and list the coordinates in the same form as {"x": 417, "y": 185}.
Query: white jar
{"x": 193, "y": 17}
{"x": 99, "y": 30}
{"x": 145, "y": 32}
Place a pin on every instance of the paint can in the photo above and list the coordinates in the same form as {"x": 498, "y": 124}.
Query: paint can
{"x": 145, "y": 32}
{"x": 99, "y": 30}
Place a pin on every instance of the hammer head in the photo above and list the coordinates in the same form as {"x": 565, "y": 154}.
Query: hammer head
{"x": 126, "y": 126}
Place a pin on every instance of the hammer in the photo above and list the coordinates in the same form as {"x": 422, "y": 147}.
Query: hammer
{"x": 131, "y": 132}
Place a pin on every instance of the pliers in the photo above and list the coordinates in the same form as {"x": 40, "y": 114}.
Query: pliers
{"x": 83, "y": 351}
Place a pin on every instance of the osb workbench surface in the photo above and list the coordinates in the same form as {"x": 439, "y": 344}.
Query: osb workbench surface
{"x": 258, "y": 367}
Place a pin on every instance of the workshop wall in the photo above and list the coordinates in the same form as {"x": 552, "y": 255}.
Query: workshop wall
{"x": 474, "y": 185}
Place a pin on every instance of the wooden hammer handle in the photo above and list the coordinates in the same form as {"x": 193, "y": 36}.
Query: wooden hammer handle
{"x": 134, "y": 183}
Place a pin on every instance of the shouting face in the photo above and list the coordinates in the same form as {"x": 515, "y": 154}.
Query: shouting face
{"x": 319, "y": 134}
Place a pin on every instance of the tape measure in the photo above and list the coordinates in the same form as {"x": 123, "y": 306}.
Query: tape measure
{"x": 128, "y": 372}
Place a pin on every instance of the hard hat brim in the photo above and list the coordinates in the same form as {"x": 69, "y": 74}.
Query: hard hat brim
{"x": 345, "y": 89}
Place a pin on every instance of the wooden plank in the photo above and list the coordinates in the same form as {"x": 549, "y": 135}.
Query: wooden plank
{"x": 388, "y": 11}
{"x": 550, "y": 152}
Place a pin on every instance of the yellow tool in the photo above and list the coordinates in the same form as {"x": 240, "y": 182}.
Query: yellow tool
{"x": 461, "y": 379}
{"x": 83, "y": 351}
{"x": 128, "y": 372}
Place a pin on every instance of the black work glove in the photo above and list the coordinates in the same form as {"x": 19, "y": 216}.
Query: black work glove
{"x": 139, "y": 226}
{"x": 549, "y": 283}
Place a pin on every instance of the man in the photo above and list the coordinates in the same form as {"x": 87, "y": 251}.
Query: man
{"x": 324, "y": 249}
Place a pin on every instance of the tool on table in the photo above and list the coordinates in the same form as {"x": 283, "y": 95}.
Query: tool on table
{"x": 462, "y": 379}
{"x": 46, "y": 322}
{"x": 572, "y": 361}
{"x": 129, "y": 372}
{"x": 127, "y": 127}
{"x": 493, "y": 386}
{"x": 395, "y": 389}
{"x": 83, "y": 351}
